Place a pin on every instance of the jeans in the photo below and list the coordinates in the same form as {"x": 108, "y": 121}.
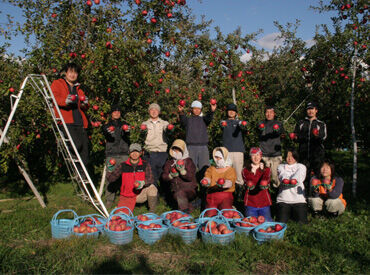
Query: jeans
{"x": 256, "y": 211}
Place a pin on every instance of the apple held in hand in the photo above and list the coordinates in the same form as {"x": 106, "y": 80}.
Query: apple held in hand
{"x": 143, "y": 127}
{"x": 315, "y": 182}
{"x": 204, "y": 182}
{"x": 125, "y": 127}
{"x": 112, "y": 161}
{"x": 73, "y": 97}
{"x": 293, "y": 182}
{"x": 173, "y": 170}
{"x": 223, "y": 123}
{"x": 221, "y": 182}
{"x": 250, "y": 184}
{"x": 111, "y": 128}
{"x": 182, "y": 103}
{"x": 136, "y": 184}
{"x": 264, "y": 183}
{"x": 286, "y": 181}
{"x": 261, "y": 126}
{"x": 180, "y": 162}
{"x": 213, "y": 101}
{"x": 82, "y": 98}
{"x": 292, "y": 136}
{"x": 315, "y": 131}
{"x": 243, "y": 123}
{"x": 276, "y": 127}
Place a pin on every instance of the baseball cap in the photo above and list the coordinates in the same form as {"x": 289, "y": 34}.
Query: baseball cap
{"x": 231, "y": 107}
{"x": 196, "y": 104}
{"x": 154, "y": 106}
{"x": 135, "y": 147}
{"x": 311, "y": 105}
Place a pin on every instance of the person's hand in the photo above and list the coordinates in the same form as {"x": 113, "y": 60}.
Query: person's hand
{"x": 173, "y": 173}
{"x": 110, "y": 164}
{"x": 213, "y": 107}
{"x": 249, "y": 185}
{"x": 205, "y": 182}
{"x": 70, "y": 99}
{"x": 139, "y": 184}
{"x": 227, "y": 184}
{"x": 223, "y": 123}
{"x": 110, "y": 130}
{"x": 262, "y": 166}
{"x": 85, "y": 100}
{"x": 126, "y": 128}
{"x": 180, "y": 166}
{"x": 242, "y": 123}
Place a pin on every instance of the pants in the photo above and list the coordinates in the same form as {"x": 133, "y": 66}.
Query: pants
{"x": 130, "y": 202}
{"x": 200, "y": 156}
{"x": 257, "y": 211}
{"x": 80, "y": 140}
{"x": 219, "y": 200}
{"x": 112, "y": 188}
{"x": 237, "y": 159}
{"x": 331, "y": 205}
{"x": 183, "y": 198}
{"x": 297, "y": 211}
{"x": 157, "y": 161}
{"x": 273, "y": 163}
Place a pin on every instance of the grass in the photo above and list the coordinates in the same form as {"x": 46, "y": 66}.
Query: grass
{"x": 323, "y": 246}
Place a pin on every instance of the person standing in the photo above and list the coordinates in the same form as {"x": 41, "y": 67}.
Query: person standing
{"x": 117, "y": 135}
{"x": 155, "y": 141}
{"x": 310, "y": 133}
{"x": 73, "y": 103}
{"x": 269, "y": 132}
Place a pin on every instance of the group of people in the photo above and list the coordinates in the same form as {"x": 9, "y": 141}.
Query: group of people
{"x": 185, "y": 173}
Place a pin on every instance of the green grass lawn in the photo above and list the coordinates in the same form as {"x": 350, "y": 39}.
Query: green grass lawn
{"x": 323, "y": 246}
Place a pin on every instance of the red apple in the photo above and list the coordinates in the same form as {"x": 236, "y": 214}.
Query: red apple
{"x": 315, "y": 182}
{"x": 292, "y": 135}
{"x": 167, "y": 54}
{"x": 213, "y": 101}
{"x": 53, "y": 15}
{"x": 264, "y": 183}
{"x": 82, "y": 98}
{"x": 261, "y": 230}
{"x": 211, "y": 64}
{"x": 95, "y": 107}
{"x": 173, "y": 170}
{"x": 111, "y": 128}
{"x": 261, "y": 219}
{"x": 138, "y": 2}
{"x": 169, "y": 15}
{"x": 204, "y": 182}
{"x": 276, "y": 127}
{"x": 89, "y": 3}
{"x": 73, "y": 97}
{"x": 144, "y": 13}
{"x": 261, "y": 126}
{"x": 149, "y": 41}
{"x": 285, "y": 181}
{"x": 223, "y": 123}
{"x": 244, "y": 123}
{"x": 278, "y": 227}
{"x": 250, "y": 183}
{"x": 182, "y": 103}
{"x": 180, "y": 162}
{"x": 108, "y": 45}
{"x": 109, "y": 30}
{"x": 94, "y": 20}
{"x": 97, "y": 2}
{"x": 153, "y": 20}
{"x": 253, "y": 219}
{"x": 170, "y": 126}
{"x": 293, "y": 181}
{"x": 315, "y": 131}
{"x": 125, "y": 127}
{"x": 221, "y": 181}
{"x": 143, "y": 127}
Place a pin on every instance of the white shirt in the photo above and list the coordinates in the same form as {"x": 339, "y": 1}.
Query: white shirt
{"x": 294, "y": 194}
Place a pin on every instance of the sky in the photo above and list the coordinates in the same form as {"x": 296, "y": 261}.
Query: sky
{"x": 250, "y": 15}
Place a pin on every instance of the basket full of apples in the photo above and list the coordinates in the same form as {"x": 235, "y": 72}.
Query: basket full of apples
{"x": 85, "y": 226}
{"x": 123, "y": 210}
{"x": 62, "y": 228}
{"x": 231, "y": 214}
{"x": 171, "y": 216}
{"x": 247, "y": 224}
{"x": 186, "y": 228}
{"x": 218, "y": 231}
{"x": 152, "y": 232}
{"x": 146, "y": 218}
{"x": 119, "y": 229}
{"x": 269, "y": 231}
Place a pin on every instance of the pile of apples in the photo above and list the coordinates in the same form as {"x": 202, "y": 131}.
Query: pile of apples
{"x": 184, "y": 225}
{"x": 87, "y": 226}
{"x": 216, "y": 229}
{"x": 271, "y": 229}
{"x": 251, "y": 221}
{"x": 118, "y": 224}
{"x": 230, "y": 214}
{"x": 173, "y": 216}
{"x": 152, "y": 226}
{"x": 144, "y": 218}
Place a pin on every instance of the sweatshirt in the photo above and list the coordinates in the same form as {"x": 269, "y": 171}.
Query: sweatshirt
{"x": 232, "y": 137}
{"x": 292, "y": 194}
{"x": 269, "y": 138}
{"x": 196, "y": 128}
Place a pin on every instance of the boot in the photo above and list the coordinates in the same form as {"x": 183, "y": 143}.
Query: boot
{"x": 152, "y": 203}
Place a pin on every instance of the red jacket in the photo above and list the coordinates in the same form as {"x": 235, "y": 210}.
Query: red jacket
{"x": 257, "y": 197}
{"x": 60, "y": 90}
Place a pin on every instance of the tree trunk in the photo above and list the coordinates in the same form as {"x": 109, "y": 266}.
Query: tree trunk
{"x": 353, "y": 130}
{"x": 234, "y": 96}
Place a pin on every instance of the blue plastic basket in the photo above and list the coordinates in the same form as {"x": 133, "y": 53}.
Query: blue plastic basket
{"x": 120, "y": 237}
{"x": 262, "y": 236}
{"x": 101, "y": 219}
{"x": 243, "y": 229}
{"x": 81, "y": 219}
{"x": 150, "y": 236}
{"x": 151, "y": 218}
{"x": 222, "y": 239}
{"x": 167, "y": 221}
{"x": 187, "y": 235}
{"x": 62, "y": 228}
{"x": 118, "y": 211}
{"x": 231, "y": 219}
{"x": 202, "y": 218}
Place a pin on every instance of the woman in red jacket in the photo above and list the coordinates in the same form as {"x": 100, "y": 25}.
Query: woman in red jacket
{"x": 256, "y": 177}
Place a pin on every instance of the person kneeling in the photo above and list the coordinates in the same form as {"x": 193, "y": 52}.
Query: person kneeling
{"x": 220, "y": 182}
{"x": 179, "y": 172}
{"x": 327, "y": 190}
{"x": 291, "y": 199}
{"x": 137, "y": 180}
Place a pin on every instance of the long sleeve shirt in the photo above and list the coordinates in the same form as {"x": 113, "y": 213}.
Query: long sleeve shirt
{"x": 292, "y": 194}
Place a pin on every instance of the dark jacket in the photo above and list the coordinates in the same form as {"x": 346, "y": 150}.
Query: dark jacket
{"x": 196, "y": 128}
{"x": 117, "y": 144}
{"x": 61, "y": 90}
{"x": 181, "y": 182}
{"x": 269, "y": 138}
{"x": 131, "y": 173}
{"x": 232, "y": 137}
{"x": 311, "y": 148}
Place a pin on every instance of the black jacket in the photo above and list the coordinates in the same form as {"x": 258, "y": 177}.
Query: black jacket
{"x": 196, "y": 128}
{"x": 232, "y": 137}
{"x": 310, "y": 146}
{"x": 269, "y": 138}
{"x": 117, "y": 144}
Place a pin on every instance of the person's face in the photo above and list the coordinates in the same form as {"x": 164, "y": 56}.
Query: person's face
{"x": 325, "y": 170}
{"x": 218, "y": 158}
{"x": 153, "y": 113}
{"x": 231, "y": 114}
{"x": 270, "y": 114}
{"x": 196, "y": 111}
{"x": 256, "y": 158}
{"x": 71, "y": 75}
{"x": 176, "y": 150}
{"x": 311, "y": 112}
{"x": 135, "y": 155}
{"x": 290, "y": 159}
{"x": 116, "y": 115}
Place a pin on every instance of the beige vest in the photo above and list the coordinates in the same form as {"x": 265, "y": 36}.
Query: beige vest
{"x": 154, "y": 140}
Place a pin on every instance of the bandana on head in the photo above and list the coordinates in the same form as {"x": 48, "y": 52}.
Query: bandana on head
{"x": 255, "y": 150}
{"x": 221, "y": 162}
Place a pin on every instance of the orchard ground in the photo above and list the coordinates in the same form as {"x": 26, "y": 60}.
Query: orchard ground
{"x": 338, "y": 245}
